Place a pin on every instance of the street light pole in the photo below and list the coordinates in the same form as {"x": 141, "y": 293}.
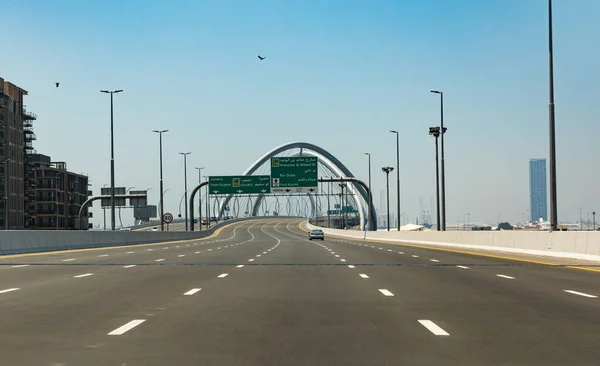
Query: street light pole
{"x": 162, "y": 224}
{"x": 369, "y": 207}
{"x": 443, "y": 188}
{"x": 199, "y": 197}
{"x": 552, "y": 134}
{"x": 594, "y": 218}
{"x": 112, "y": 158}
{"x": 185, "y": 186}
{"x": 435, "y": 132}
{"x": 397, "y": 173}
{"x": 387, "y": 170}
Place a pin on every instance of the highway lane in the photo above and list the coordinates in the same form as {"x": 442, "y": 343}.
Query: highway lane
{"x": 267, "y": 295}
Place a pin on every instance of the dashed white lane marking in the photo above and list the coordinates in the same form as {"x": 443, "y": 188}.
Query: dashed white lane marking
{"x": 219, "y": 248}
{"x": 332, "y": 252}
{"x": 415, "y": 256}
{"x": 505, "y": 276}
{"x": 83, "y": 275}
{"x": 196, "y": 252}
{"x": 149, "y": 250}
{"x": 192, "y": 291}
{"x": 177, "y": 246}
{"x": 581, "y": 294}
{"x": 363, "y": 275}
{"x": 20, "y": 265}
{"x": 343, "y": 260}
{"x": 434, "y": 260}
{"x": 400, "y": 252}
{"x": 223, "y": 275}
{"x": 130, "y": 265}
{"x": 433, "y": 328}
{"x": 181, "y": 255}
{"x": 385, "y": 292}
{"x": 463, "y": 267}
{"x": 264, "y": 252}
{"x": 337, "y": 255}
{"x": 351, "y": 266}
{"x": 103, "y": 255}
{"x": 124, "y": 328}
{"x": 187, "y": 245}
{"x": 372, "y": 246}
{"x": 251, "y": 260}
{"x": 9, "y": 290}
{"x": 240, "y": 266}
{"x": 380, "y": 248}
{"x": 130, "y": 252}
{"x": 226, "y": 246}
{"x": 389, "y": 250}
{"x": 210, "y": 250}
{"x": 166, "y": 248}
{"x": 160, "y": 260}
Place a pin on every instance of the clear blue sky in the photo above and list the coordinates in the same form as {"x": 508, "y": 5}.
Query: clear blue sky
{"x": 338, "y": 73}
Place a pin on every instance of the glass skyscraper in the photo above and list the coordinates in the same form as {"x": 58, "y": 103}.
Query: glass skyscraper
{"x": 538, "y": 197}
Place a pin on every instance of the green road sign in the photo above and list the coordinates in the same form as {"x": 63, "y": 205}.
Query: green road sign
{"x": 239, "y": 184}
{"x": 294, "y": 174}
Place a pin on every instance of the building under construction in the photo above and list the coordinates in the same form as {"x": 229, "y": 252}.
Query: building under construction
{"x": 34, "y": 192}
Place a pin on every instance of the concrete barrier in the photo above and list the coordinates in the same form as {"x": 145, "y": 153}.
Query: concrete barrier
{"x": 583, "y": 245}
{"x": 28, "y": 241}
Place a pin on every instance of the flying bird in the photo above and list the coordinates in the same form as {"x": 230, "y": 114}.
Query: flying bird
{"x": 261, "y": 58}
{"x": 57, "y": 84}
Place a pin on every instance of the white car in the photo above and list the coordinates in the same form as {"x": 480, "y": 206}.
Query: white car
{"x": 316, "y": 234}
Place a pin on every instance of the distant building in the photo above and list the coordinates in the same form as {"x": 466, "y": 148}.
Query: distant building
{"x": 59, "y": 195}
{"x": 538, "y": 198}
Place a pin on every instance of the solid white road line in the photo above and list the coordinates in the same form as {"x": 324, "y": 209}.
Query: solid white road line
{"x": 363, "y": 275}
{"x": 103, "y": 255}
{"x": 130, "y": 265}
{"x": 160, "y": 260}
{"x": 21, "y": 265}
{"x": 192, "y": 291}
{"x": 223, "y": 275}
{"x": 124, "y": 328}
{"x": 463, "y": 267}
{"x": 240, "y": 266}
{"x": 385, "y": 292}
{"x": 433, "y": 328}
{"x": 9, "y": 290}
{"x": 505, "y": 276}
{"x": 351, "y": 266}
{"x": 181, "y": 255}
{"x": 130, "y": 252}
{"x": 83, "y": 275}
{"x": 581, "y": 294}
{"x": 434, "y": 260}
{"x": 251, "y": 260}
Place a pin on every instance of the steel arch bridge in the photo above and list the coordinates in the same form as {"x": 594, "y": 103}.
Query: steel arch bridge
{"x": 329, "y": 165}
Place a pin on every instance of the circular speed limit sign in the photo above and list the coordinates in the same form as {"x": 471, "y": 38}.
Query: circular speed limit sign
{"x": 167, "y": 218}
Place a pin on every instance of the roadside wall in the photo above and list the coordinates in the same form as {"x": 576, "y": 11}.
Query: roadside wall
{"x": 27, "y": 241}
{"x": 563, "y": 244}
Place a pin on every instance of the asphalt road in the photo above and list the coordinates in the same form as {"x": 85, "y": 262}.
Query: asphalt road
{"x": 260, "y": 293}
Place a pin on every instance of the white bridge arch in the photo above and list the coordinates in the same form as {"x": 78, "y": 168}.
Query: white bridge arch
{"x": 335, "y": 167}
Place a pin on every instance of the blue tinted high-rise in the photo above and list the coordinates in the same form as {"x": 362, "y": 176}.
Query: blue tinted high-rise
{"x": 538, "y": 197}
